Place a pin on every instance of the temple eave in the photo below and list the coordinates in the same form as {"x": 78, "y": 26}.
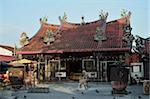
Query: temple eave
{"x": 73, "y": 50}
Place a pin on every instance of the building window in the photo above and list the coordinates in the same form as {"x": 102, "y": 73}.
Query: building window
{"x": 89, "y": 64}
{"x": 136, "y": 68}
{"x": 63, "y": 65}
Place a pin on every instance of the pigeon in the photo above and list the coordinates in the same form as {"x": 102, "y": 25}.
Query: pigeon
{"x": 139, "y": 97}
{"x": 16, "y": 98}
{"x": 25, "y": 96}
{"x": 96, "y": 91}
{"x": 82, "y": 92}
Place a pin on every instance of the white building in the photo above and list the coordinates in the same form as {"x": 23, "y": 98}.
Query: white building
{"x": 6, "y": 53}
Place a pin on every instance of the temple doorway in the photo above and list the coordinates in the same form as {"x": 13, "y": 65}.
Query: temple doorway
{"x": 104, "y": 70}
{"x": 74, "y": 69}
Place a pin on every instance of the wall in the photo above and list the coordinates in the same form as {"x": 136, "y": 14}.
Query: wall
{"x": 5, "y": 52}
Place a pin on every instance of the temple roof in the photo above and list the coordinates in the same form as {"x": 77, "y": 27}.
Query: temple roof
{"x": 72, "y": 37}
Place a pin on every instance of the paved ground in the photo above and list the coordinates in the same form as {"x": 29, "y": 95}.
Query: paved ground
{"x": 71, "y": 91}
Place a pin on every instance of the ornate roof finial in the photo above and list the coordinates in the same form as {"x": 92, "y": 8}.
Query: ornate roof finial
{"x": 43, "y": 20}
{"x": 103, "y": 15}
{"x": 128, "y": 37}
{"x": 128, "y": 18}
{"x": 64, "y": 18}
{"x": 24, "y": 40}
{"x": 82, "y": 20}
{"x": 126, "y": 14}
{"x": 139, "y": 42}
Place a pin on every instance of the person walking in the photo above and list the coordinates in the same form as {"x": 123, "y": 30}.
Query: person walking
{"x": 83, "y": 80}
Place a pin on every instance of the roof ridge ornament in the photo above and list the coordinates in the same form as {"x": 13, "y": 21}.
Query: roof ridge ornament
{"x": 128, "y": 37}
{"x": 139, "y": 42}
{"x": 49, "y": 37}
{"x": 64, "y": 18}
{"x": 24, "y": 39}
{"x": 82, "y": 20}
{"x": 99, "y": 36}
{"x": 126, "y": 14}
{"x": 43, "y": 20}
{"x": 103, "y": 15}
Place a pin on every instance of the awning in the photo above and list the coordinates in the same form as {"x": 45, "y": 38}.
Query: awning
{"x": 6, "y": 58}
{"x": 15, "y": 64}
{"x": 23, "y": 61}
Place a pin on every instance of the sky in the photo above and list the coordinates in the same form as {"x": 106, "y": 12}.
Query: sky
{"x": 17, "y": 16}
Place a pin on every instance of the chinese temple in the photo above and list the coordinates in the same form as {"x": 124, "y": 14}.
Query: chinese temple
{"x": 65, "y": 50}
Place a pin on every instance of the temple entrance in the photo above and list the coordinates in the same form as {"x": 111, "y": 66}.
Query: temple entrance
{"x": 41, "y": 71}
{"x": 104, "y": 70}
{"x": 109, "y": 63}
{"x": 90, "y": 67}
{"x": 74, "y": 69}
{"x": 52, "y": 67}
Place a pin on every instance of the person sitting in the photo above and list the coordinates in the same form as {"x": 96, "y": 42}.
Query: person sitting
{"x": 6, "y": 78}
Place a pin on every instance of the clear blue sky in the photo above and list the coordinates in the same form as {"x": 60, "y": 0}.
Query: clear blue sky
{"x": 17, "y": 16}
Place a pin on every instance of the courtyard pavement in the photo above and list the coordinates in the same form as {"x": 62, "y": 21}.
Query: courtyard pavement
{"x": 70, "y": 90}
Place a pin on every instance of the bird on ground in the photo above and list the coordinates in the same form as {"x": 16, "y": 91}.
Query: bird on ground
{"x": 96, "y": 91}
{"x": 16, "y": 98}
{"x": 25, "y": 96}
{"x": 82, "y": 92}
{"x": 139, "y": 97}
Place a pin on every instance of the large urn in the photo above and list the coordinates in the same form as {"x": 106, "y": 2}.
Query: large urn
{"x": 119, "y": 78}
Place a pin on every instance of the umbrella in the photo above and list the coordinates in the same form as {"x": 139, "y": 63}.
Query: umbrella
{"x": 16, "y": 64}
{"x": 23, "y": 61}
